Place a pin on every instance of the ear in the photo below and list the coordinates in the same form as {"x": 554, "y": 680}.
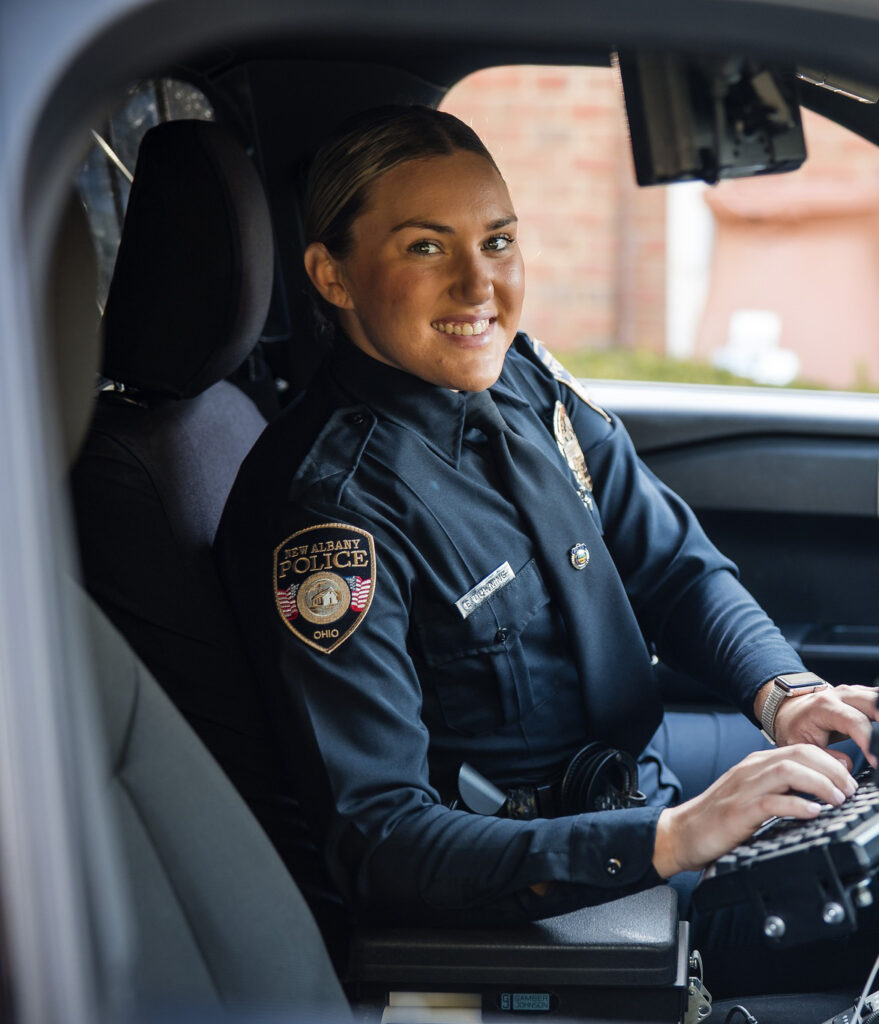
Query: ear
{"x": 325, "y": 273}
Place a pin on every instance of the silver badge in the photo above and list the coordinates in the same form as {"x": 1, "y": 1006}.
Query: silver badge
{"x": 570, "y": 448}
{"x": 579, "y": 554}
{"x": 484, "y": 589}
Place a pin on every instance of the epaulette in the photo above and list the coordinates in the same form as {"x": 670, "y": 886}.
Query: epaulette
{"x": 561, "y": 374}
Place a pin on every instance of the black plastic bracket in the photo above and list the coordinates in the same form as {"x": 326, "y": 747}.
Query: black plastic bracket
{"x": 814, "y": 904}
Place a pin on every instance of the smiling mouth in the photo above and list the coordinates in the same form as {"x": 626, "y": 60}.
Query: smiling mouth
{"x": 464, "y": 328}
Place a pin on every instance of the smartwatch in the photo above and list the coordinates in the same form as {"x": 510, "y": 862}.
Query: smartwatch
{"x": 794, "y": 684}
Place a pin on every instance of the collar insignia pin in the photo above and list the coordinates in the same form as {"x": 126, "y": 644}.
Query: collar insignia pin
{"x": 579, "y": 555}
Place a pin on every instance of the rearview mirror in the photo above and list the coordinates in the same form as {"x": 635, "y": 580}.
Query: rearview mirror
{"x": 709, "y": 117}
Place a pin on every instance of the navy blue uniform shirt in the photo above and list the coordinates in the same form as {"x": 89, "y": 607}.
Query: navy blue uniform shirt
{"x": 352, "y": 548}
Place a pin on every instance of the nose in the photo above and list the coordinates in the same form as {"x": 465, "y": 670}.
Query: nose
{"x": 473, "y": 282}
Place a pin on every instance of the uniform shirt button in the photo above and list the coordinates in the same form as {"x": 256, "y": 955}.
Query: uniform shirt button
{"x": 357, "y": 418}
{"x": 502, "y": 635}
{"x": 613, "y": 866}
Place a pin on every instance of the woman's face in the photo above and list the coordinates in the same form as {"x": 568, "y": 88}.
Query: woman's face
{"x": 434, "y": 281}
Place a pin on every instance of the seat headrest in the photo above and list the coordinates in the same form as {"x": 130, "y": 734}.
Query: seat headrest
{"x": 193, "y": 276}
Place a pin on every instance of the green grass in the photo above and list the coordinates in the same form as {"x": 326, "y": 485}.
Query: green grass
{"x": 625, "y": 364}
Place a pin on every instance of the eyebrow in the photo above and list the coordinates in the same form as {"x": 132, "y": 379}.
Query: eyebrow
{"x": 445, "y": 229}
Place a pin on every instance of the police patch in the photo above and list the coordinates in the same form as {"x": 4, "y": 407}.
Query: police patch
{"x": 324, "y": 579}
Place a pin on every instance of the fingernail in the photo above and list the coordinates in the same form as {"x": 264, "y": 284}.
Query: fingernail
{"x": 851, "y": 787}
{"x": 838, "y": 795}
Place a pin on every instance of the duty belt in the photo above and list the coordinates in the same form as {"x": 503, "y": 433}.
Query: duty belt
{"x": 597, "y": 778}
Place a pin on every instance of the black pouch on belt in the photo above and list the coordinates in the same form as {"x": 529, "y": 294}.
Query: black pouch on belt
{"x": 597, "y": 778}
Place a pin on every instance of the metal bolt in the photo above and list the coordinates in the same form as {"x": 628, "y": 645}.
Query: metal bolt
{"x": 833, "y": 913}
{"x": 774, "y": 927}
{"x": 862, "y": 895}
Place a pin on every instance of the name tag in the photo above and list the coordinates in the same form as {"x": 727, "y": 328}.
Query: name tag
{"x": 484, "y": 589}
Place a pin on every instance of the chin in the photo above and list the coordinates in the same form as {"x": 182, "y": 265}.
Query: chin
{"x": 475, "y": 381}
{"x": 479, "y": 375}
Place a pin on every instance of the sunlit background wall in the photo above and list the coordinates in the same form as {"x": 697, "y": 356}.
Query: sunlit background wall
{"x": 773, "y": 280}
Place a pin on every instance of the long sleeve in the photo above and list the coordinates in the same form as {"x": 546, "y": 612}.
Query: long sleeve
{"x": 687, "y": 596}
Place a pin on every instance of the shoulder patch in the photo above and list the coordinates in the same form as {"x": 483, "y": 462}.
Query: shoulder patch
{"x": 324, "y": 580}
{"x": 561, "y": 374}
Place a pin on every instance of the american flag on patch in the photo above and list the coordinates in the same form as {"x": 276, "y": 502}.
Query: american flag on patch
{"x": 359, "y": 592}
{"x": 287, "y": 602}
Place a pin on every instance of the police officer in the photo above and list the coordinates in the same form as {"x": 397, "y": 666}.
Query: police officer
{"x": 411, "y": 604}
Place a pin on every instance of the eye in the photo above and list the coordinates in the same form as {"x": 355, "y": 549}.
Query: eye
{"x": 424, "y": 248}
{"x": 497, "y": 243}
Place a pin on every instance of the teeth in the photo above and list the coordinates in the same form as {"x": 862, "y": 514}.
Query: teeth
{"x": 467, "y": 330}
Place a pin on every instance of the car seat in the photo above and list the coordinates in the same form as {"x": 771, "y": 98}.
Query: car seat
{"x": 218, "y": 923}
{"x": 188, "y": 298}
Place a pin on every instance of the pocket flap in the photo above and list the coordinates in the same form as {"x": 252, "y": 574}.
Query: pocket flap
{"x": 444, "y": 635}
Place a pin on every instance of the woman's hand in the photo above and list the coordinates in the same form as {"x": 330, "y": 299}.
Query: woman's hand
{"x": 827, "y": 716}
{"x": 693, "y": 834}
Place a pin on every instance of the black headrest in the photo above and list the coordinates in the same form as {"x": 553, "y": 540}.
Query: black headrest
{"x": 193, "y": 277}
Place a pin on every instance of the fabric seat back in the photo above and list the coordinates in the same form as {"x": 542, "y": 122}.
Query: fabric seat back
{"x": 187, "y": 301}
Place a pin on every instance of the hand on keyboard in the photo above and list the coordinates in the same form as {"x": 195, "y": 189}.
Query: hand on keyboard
{"x": 765, "y": 784}
{"x": 836, "y": 824}
{"x": 805, "y": 879}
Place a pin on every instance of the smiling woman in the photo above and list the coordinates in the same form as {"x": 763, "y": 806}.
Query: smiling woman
{"x": 433, "y": 282}
{"x": 517, "y": 567}
{"x": 417, "y": 256}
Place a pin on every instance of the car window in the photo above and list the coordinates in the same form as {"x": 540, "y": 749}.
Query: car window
{"x": 105, "y": 177}
{"x": 768, "y": 280}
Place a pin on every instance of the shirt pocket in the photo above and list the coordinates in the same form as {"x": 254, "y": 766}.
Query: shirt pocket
{"x": 476, "y": 666}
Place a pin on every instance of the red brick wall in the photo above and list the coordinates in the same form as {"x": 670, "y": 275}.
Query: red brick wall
{"x": 594, "y": 243}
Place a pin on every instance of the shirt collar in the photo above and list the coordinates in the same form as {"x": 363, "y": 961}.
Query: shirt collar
{"x": 436, "y": 414}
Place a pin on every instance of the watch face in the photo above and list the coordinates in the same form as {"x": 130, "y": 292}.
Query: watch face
{"x": 800, "y": 682}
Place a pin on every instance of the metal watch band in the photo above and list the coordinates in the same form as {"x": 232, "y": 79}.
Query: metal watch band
{"x": 770, "y": 710}
{"x": 777, "y": 695}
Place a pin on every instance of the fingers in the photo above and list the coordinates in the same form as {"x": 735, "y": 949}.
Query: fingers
{"x": 786, "y": 805}
{"x": 823, "y": 716}
{"x": 757, "y": 810}
{"x": 843, "y": 759}
{"x": 801, "y": 771}
{"x": 801, "y": 766}
{"x": 864, "y": 698}
{"x": 840, "y": 716}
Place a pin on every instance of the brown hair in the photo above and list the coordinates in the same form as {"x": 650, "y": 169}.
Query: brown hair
{"x": 365, "y": 147}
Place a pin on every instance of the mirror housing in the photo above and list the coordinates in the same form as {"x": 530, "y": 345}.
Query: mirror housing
{"x": 709, "y": 117}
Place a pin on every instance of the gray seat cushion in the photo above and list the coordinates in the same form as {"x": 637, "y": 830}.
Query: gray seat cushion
{"x": 219, "y": 921}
